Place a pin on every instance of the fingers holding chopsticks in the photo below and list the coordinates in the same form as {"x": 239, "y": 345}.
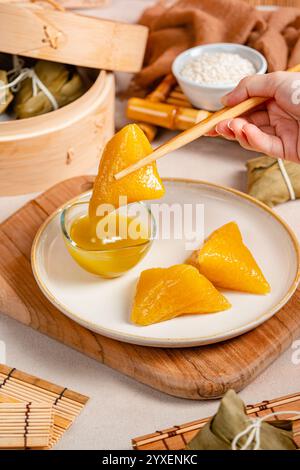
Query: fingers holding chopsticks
{"x": 250, "y": 136}
{"x": 273, "y": 127}
{"x": 257, "y": 85}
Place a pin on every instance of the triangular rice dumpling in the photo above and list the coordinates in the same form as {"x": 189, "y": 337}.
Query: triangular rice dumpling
{"x": 266, "y": 181}
{"x": 128, "y": 146}
{"x": 165, "y": 293}
{"x": 231, "y": 419}
{"x": 228, "y": 263}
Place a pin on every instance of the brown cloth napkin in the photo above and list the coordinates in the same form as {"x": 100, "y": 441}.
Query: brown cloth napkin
{"x": 178, "y": 25}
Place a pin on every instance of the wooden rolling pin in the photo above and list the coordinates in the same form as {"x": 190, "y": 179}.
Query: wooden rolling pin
{"x": 198, "y": 130}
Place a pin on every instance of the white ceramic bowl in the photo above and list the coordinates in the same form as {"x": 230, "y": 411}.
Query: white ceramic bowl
{"x": 209, "y": 96}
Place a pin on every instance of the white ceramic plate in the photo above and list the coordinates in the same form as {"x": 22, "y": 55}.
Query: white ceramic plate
{"x": 104, "y": 305}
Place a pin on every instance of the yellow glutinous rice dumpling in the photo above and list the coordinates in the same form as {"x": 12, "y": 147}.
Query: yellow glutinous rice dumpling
{"x": 127, "y": 146}
{"x": 166, "y": 293}
{"x": 226, "y": 261}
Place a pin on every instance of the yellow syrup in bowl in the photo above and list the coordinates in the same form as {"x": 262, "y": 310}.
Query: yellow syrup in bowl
{"x": 118, "y": 242}
{"x": 110, "y": 254}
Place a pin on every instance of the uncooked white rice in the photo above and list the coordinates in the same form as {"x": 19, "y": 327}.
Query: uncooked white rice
{"x": 217, "y": 68}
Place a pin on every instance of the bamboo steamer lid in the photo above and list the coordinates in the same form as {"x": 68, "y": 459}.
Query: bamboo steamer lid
{"x": 70, "y": 38}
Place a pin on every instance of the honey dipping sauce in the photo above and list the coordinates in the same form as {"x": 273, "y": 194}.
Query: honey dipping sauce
{"x": 116, "y": 252}
{"x": 108, "y": 243}
{"x": 118, "y": 237}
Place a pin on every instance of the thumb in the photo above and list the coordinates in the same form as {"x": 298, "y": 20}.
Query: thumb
{"x": 256, "y": 85}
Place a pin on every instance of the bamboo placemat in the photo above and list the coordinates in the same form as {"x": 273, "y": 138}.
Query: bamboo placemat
{"x": 66, "y": 403}
{"x": 24, "y": 425}
{"x": 177, "y": 437}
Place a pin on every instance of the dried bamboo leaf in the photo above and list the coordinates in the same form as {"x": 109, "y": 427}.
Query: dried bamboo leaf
{"x": 65, "y": 86}
{"x": 231, "y": 419}
{"x": 266, "y": 182}
{"x": 6, "y": 96}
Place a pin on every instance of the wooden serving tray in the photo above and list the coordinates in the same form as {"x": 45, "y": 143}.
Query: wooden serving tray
{"x": 196, "y": 373}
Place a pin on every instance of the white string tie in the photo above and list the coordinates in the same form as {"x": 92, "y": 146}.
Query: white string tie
{"x": 37, "y": 84}
{"x": 253, "y": 431}
{"x": 287, "y": 179}
{"x": 18, "y": 65}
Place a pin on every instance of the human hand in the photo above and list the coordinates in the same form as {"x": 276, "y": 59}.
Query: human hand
{"x": 274, "y": 128}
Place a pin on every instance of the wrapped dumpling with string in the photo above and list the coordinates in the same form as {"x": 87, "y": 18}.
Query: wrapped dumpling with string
{"x": 46, "y": 87}
{"x": 273, "y": 181}
{"x": 232, "y": 429}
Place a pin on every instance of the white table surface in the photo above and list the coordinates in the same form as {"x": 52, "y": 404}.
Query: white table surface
{"x": 119, "y": 407}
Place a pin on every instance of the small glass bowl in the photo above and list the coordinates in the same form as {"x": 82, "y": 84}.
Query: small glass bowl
{"x": 110, "y": 262}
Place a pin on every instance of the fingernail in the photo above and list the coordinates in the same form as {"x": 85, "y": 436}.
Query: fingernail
{"x": 229, "y": 125}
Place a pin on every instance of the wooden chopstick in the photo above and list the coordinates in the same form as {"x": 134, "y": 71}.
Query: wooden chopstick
{"x": 198, "y": 130}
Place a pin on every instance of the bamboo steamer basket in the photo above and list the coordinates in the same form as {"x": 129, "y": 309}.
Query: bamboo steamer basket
{"x": 37, "y": 152}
